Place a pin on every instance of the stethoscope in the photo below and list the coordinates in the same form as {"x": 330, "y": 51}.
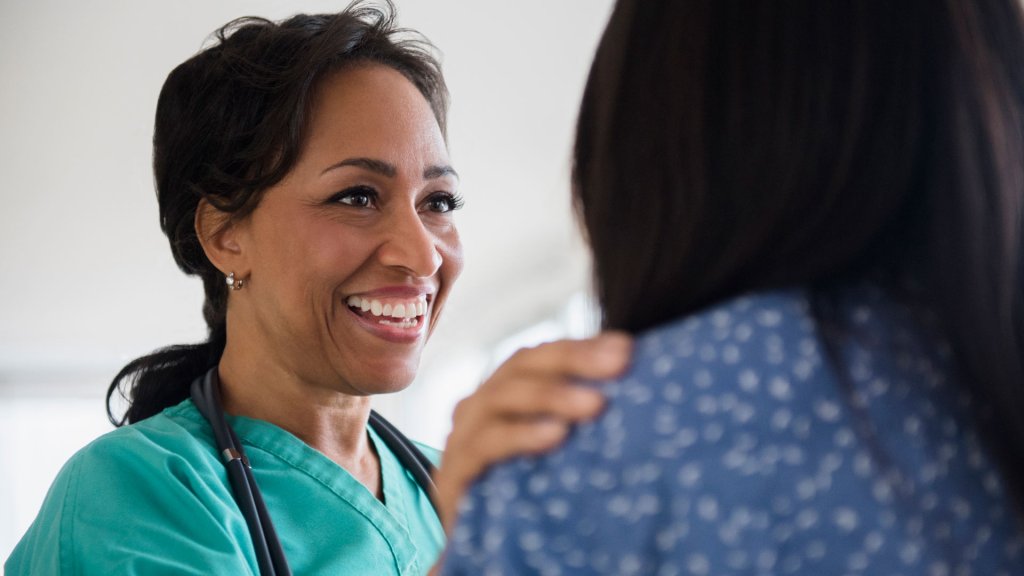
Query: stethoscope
{"x": 269, "y": 555}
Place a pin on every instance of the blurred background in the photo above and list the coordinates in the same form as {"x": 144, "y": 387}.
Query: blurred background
{"x": 87, "y": 280}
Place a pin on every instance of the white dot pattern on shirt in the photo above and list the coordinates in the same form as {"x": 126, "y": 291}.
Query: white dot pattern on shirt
{"x": 731, "y": 448}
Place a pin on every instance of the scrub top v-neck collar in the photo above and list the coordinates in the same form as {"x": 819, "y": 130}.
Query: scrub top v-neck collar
{"x": 390, "y": 517}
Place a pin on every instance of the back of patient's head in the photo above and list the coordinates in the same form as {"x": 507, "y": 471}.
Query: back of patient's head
{"x": 725, "y": 146}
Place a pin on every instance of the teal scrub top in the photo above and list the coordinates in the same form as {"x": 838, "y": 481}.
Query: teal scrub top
{"x": 153, "y": 498}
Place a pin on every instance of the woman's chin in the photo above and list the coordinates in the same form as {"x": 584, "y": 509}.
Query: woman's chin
{"x": 383, "y": 382}
{"x": 388, "y": 387}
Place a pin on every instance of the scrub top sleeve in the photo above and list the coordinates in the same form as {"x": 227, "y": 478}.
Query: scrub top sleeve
{"x": 116, "y": 509}
{"x": 39, "y": 552}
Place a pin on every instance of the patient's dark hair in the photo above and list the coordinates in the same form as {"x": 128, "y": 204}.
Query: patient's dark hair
{"x": 230, "y": 122}
{"x": 725, "y": 146}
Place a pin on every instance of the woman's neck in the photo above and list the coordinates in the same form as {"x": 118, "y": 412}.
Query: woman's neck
{"x": 331, "y": 422}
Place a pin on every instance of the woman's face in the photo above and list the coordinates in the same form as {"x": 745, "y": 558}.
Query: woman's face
{"x": 353, "y": 254}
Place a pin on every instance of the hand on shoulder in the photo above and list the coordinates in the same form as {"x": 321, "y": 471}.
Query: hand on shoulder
{"x": 526, "y": 407}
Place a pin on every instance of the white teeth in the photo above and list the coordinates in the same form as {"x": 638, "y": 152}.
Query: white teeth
{"x": 406, "y": 312}
{"x": 407, "y": 323}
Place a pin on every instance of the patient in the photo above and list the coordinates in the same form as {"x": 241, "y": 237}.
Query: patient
{"x": 810, "y": 214}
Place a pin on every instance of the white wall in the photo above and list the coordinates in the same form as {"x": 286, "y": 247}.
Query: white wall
{"x": 87, "y": 281}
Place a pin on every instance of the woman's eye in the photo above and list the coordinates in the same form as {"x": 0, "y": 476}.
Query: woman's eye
{"x": 358, "y": 197}
{"x": 444, "y": 203}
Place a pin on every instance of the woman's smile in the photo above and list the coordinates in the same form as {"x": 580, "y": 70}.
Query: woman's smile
{"x": 399, "y": 315}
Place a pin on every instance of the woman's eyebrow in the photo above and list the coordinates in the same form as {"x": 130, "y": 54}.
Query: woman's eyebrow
{"x": 385, "y": 169}
{"x": 439, "y": 171}
{"x": 379, "y": 166}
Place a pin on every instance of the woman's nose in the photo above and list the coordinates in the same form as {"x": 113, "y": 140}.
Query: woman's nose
{"x": 410, "y": 245}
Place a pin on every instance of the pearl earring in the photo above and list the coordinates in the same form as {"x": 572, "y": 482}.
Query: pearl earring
{"x": 234, "y": 284}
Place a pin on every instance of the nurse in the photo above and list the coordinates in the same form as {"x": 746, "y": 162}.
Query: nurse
{"x": 302, "y": 173}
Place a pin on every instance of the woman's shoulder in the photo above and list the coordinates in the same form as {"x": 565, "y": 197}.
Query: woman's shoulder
{"x": 771, "y": 362}
{"x": 168, "y": 448}
{"x": 724, "y": 375}
{"x": 779, "y": 346}
{"x": 746, "y": 385}
{"x": 723, "y": 358}
{"x": 740, "y": 330}
{"x": 177, "y": 432}
{"x": 128, "y": 487}
{"x": 137, "y": 459}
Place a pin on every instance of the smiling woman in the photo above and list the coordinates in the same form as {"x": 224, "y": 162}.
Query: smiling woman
{"x": 302, "y": 173}
{"x": 365, "y": 213}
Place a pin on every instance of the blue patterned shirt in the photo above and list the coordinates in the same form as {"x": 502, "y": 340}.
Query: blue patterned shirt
{"x": 738, "y": 444}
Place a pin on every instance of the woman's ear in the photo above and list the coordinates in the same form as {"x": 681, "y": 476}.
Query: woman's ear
{"x": 219, "y": 236}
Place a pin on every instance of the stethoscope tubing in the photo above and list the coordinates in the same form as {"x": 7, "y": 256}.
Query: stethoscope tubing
{"x": 411, "y": 458}
{"x": 266, "y": 546}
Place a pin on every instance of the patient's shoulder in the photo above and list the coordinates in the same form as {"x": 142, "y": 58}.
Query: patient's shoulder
{"x": 724, "y": 369}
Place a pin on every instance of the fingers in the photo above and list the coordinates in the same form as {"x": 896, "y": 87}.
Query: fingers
{"x": 536, "y": 384}
{"x": 537, "y": 381}
{"x": 505, "y": 440}
{"x": 531, "y": 396}
{"x": 604, "y": 356}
